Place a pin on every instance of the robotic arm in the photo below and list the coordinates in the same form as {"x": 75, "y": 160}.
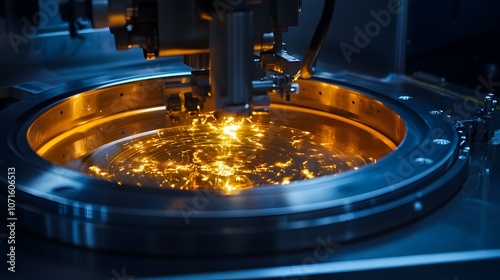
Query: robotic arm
{"x": 236, "y": 45}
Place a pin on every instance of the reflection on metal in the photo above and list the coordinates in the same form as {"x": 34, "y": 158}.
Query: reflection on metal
{"x": 288, "y": 144}
{"x": 103, "y": 128}
{"x": 480, "y": 127}
{"x": 235, "y": 154}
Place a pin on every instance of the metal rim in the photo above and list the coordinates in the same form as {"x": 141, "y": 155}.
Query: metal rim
{"x": 423, "y": 173}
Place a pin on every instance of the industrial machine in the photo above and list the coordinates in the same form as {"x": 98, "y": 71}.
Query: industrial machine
{"x": 248, "y": 139}
{"x": 219, "y": 38}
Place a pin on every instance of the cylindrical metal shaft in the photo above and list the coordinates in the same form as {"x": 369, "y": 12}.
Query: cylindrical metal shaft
{"x": 231, "y": 50}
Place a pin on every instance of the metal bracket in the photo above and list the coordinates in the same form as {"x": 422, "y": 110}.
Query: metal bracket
{"x": 192, "y": 95}
{"x": 480, "y": 128}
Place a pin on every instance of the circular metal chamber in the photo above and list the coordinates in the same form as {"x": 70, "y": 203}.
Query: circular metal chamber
{"x": 289, "y": 144}
{"x": 99, "y": 166}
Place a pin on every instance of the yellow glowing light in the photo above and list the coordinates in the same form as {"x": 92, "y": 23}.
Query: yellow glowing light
{"x": 95, "y": 169}
{"x": 230, "y": 130}
{"x": 222, "y": 169}
{"x": 227, "y": 154}
{"x": 306, "y": 172}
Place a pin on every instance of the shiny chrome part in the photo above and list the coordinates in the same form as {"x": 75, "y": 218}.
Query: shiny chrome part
{"x": 231, "y": 52}
{"x": 266, "y": 43}
{"x": 414, "y": 179}
{"x": 280, "y": 61}
{"x": 481, "y": 127}
{"x": 218, "y": 36}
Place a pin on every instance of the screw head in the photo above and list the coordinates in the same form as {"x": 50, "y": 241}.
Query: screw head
{"x": 418, "y": 206}
{"x": 442, "y": 142}
{"x": 405, "y": 97}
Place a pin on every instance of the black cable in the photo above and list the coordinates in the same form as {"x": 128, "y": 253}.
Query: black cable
{"x": 309, "y": 63}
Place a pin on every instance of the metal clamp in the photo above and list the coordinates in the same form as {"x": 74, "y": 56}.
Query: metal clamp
{"x": 192, "y": 96}
{"x": 480, "y": 128}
